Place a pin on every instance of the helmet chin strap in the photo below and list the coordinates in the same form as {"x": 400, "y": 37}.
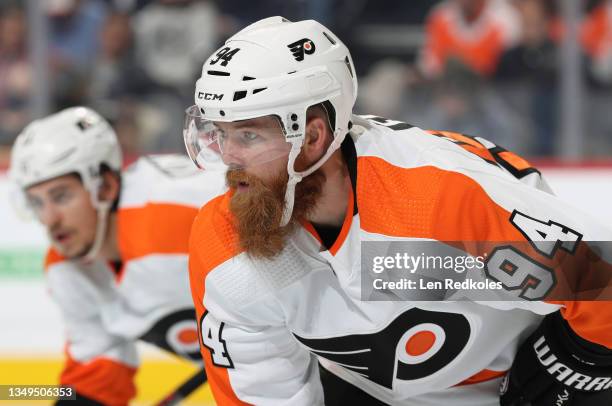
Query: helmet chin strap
{"x": 296, "y": 177}
{"x": 103, "y": 209}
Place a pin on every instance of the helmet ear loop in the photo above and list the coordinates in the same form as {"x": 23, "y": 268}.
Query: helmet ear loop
{"x": 296, "y": 177}
{"x": 335, "y": 144}
{"x": 324, "y": 107}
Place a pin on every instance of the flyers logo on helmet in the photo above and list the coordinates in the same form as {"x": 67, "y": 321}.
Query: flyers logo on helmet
{"x": 301, "y": 47}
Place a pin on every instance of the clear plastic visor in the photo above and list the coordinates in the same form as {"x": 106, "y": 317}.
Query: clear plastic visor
{"x": 215, "y": 145}
{"x": 20, "y": 203}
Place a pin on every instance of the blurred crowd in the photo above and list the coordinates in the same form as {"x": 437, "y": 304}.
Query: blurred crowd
{"x": 484, "y": 67}
{"x": 491, "y": 68}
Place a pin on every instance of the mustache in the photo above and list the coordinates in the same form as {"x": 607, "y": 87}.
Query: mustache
{"x": 234, "y": 177}
{"x": 57, "y": 229}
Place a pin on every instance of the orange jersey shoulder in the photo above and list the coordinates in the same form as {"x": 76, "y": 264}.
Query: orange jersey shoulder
{"x": 156, "y": 228}
{"x": 213, "y": 237}
{"x": 53, "y": 257}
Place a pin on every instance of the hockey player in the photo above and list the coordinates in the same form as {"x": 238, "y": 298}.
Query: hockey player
{"x": 310, "y": 184}
{"x": 117, "y": 266}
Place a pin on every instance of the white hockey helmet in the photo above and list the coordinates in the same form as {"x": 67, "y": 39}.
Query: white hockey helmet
{"x": 74, "y": 140}
{"x": 273, "y": 67}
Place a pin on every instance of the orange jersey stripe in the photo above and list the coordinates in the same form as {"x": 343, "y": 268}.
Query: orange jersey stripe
{"x": 428, "y": 202}
{"x": 467, "y": 143}
{"x": 515, "y": 160}
{"x": 104, "y": 380}
{"x": 482, "y": 376}
{"x": 458, "y": 137}
{"x": 212, "y": 242}
{"x": 495, "y": 155}
{"x": 157, "y": 228}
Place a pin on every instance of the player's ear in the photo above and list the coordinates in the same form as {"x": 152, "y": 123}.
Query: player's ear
{"x": 317, "y": 138}
{"x": 109, "y": 189}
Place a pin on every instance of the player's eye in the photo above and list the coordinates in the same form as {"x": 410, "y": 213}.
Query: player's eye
{"x": 249, "y": 136}
{"x": 61, "y": 197}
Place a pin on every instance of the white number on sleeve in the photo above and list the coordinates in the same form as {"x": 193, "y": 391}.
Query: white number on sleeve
{"x": 546, "y": 237}
{"x": 212, "y": 338}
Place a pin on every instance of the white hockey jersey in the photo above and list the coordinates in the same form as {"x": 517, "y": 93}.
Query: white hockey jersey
{"x": 105, "y": 310}
{"x": 264, "y": 324}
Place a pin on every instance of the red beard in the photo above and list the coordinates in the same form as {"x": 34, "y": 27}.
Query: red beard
{"x": 258, "y": 210}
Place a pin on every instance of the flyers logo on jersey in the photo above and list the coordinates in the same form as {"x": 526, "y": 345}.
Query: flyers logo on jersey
{"x": 183, "y": 337}
{"x": 301, "y": 47}
{"x": 177, "y": 333}
{"x": 424, "y": 343}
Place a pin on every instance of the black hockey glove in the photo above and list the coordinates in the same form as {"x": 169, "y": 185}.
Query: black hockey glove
{"x": 555, "y": 367}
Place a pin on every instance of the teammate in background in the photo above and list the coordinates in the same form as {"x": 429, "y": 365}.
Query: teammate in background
{"x": 309, "y": 183}
{"x": 117, "y": 267}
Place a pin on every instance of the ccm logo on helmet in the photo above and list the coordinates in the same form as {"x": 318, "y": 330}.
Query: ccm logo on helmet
{"x": 565, "y": 374}
{"x": 210, "y": 96}
{"x": 301, "y": 47}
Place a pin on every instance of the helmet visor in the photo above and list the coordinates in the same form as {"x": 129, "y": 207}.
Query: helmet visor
{"x": 214, "y": 145}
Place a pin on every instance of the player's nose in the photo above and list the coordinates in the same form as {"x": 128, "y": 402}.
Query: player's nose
{"x": 232, "y": 153}
{"x": 49, "y": 216}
